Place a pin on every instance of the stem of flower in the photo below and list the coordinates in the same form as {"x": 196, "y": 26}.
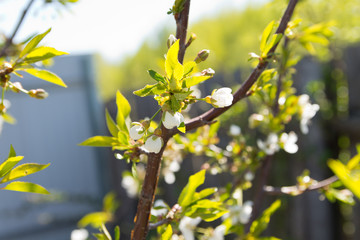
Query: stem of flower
{"x": 155, "y": 114}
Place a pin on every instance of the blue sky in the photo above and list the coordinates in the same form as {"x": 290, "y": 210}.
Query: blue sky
{"x": 113, "y": 28}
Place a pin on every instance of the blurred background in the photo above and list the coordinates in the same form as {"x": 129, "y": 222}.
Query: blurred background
{"x": 111, "y": 45}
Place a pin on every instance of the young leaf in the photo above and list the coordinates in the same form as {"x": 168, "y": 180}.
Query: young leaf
{"x": 274, "y": 40}
{"x": 260, "y": 224}
{"x": 168, "y": 233}
{"x": 100, "y": 141}
{"x": 8, "y": 164}
{"x": 44, "y": 75}
{"x": 145, "y": 91}
{"x": 25, "y": 187}
{"x": 23, "y": 170}
{"x": 42, "y": 53}
{"x": 189, "y": 67}
{"x": 33, "y": 43}
{"x": 157, "y": 77}
{"x": 351, "y": 179}
{"x": 355, "y": 160}
{"x": 123, "y": 104}
{"x": 117, "y": 233}
{"x": 182, "y": 127}
{"x": 174, "y": 104}
{"x": 112, "y": 127}
{"x": 12, "y": 152}
{"x": 187, "y": 194}
{"x": 95, "y": 219}
{"x": 192, "y": 81}
{"x": 265, "y": 35}
{"x": 174, "y": 70}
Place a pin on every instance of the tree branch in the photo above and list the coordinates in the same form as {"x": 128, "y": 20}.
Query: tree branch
{"x": 9, "y": 41}
{"x": 242, "y": 92}
{"x": 297, "y": 190}
{"x": 181, "y": 29}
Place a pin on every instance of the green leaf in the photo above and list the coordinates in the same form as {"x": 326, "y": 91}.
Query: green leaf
{"x": 260, "y": 224}
{"x": 189, "y": 67}
{"x": 42, "y": 53}
{"x": 187, "y": 194}
{"x": 33, "y": 43}
{"x": 100, "y": 141}
{"x": 8, "y": 164}
{"x": 23, "y": 170}
{"x": 95, "y": 219}
{"x": 8, "y": 118}
{"x": 204, "y": 193}
{"x": 123, "y": 111}
{"x": 145, "y": 91}
{"x": 265, "y": 35}
{"x": 157, "y": 77}
{"x": 111, "y": 125}
{"x": 117, "y": 233}
{"x": 206, "y": 209}
{"x": 100, "y": 236}
{"x": 174, "y": 70}
{"x": 195, "y": 80}
{"x": 174, "y": 104}
{"x": 351, "y": 179}
{"x": 354, "y": 162}
{"x": 12, "y": 152}
{"x": 182, "y": 127}
{"x": 25, "y": 187}
{"x": 182, "y": 95}
{"x": 168, "y": 233}
{"x": 123, "y": 137}
{"x": 123, "y": 104}
{"x": 44, "y": 75}
{"x": 275, "y": 39}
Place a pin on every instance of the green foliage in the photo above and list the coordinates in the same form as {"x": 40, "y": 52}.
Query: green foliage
{"x": 167, "y": 234}
{"x": 260, "y": 224}
{"x": 9, "y": 172}
{"x": 44, "y": 75}
{"x": 348, "y": 174}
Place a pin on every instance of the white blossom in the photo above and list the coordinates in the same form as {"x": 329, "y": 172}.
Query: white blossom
{"x": 79, "y": 234}
{"x": 187, "y": 226}
{"x": 130, "y": 185}
{"x": 271, "y": 145}
{"x": 222, "y": 97}
{"x": 235, "y": 130}
{"x": 153, "y": 144}
{"x": 308, "y": 111}
{"x": 161, "y": 208}
{"x": 218, "y": 233}
{"x": 137, "y": 131}
{"x": 249, "y": 176}
{"x": 172, "y": 120}
{"x": 240, "y": 214}
{"x": 289, "y": 142}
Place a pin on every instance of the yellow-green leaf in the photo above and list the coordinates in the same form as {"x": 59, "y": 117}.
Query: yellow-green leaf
{"x": 260, "y": 224}
{"x": 189, "y": 67}
{"x": 12, "y": 152}
{"x": 187, "y": 194}
{"x": 8, "y": 164}
{"x": 42, "y": 53}
{"x": 95, "y": 219}
{"x": 111, "y": 125}
{"x": 168, "y": 233}
{"x": 265, "y": 35}
{"x": 100, "y": 141}
{"x": 33, "y": 43}
{"x": 123, "y": 104}
{"x": 23, "y": 170}
{"x": 44, "y": 75}
{"x": 192, "y": 81}
{"x": 171, "y": 60}
{"x": 351, "y": 179}
{"x": 25, "y": 187}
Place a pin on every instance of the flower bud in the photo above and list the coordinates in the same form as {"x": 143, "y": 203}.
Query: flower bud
{"x": 172, "y": 120}
{"x": 191, "y": 39}
{"x": 222, "y": 97}
{"x": 7, "y": 68}
{"x": 202, "y": 56}
{"x": 208, "y": 72}
{"x": 153, "y": 144}
{"x": 38, "y": 93}
{"x": 136, "y": 131}
{"x": 171, "y": 40}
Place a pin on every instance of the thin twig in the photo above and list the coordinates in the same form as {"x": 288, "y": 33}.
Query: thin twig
{"x": 9, "y": 41}
{"x": 181, "y": 29}
{"x": 297, "y": 190}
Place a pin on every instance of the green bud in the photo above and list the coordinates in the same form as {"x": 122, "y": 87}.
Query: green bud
{"x": 202, "y": 55}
